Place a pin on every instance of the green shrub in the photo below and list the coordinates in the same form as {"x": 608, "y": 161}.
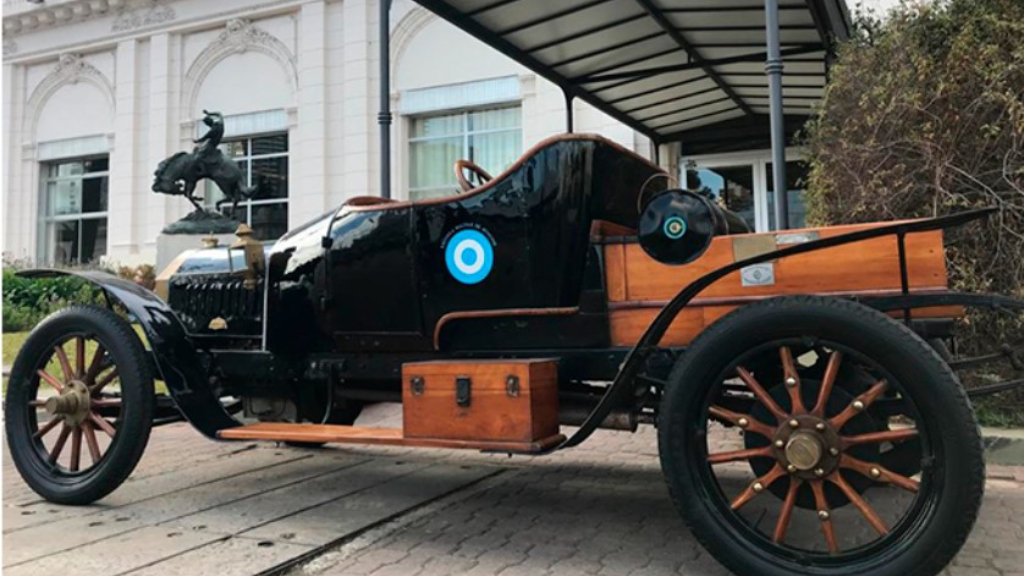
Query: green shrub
{"x": 924, "y": 116}
{"x": 26, "y": 301}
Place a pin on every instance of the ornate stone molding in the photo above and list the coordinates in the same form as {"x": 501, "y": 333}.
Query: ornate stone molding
{"x": 146, "y": 13}
{"x": 70, "y": 69}
{"x": 240, "y": 35}
{"x": 10, "y": 47}
{"x": 403, "y": 33}
{"x": 40, "y": 15}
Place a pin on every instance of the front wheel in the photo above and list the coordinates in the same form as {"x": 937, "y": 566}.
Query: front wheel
{"x": 79, "y": 405}
{"x": 815, "y": 436}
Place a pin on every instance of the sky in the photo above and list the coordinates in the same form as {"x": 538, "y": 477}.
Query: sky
{"x": 880, "y": 6}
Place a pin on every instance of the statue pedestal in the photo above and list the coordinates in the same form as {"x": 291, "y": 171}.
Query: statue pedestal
{"x": 189, "y": 232}
{"x": 169, "y": 246}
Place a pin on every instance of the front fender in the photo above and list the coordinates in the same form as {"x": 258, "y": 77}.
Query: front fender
{"x": 173, "y": 351}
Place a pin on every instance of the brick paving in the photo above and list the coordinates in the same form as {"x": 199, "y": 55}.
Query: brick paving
{"x": 602, "y": 509}
{"x": 200, "y": 507}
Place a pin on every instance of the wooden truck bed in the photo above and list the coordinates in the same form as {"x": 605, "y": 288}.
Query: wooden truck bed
{"x": 639, "y": 286}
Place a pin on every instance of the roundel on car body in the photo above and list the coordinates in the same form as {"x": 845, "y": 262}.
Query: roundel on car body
{"x": 469, "y": 256}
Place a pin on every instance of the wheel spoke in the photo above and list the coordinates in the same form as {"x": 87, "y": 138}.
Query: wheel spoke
{"x": 737, "y": 455}
{"x": 787, "y": 511}
{"x": 752, "y": 424}
{"x": 45, "y": 429}
{"x": 94, "y": 366}
{"x": 859, "y": 404}
{"x": 761, "y": 394}
{"x": 93, "y": 443}
{"x": 95, "y": 388}
{"x": 50, "y": 380}
{"x": 792, "y": 381}
{"x": 757, "y": 486}
{"x": 65, "y": 364}
{"x": 878, "y": 473}
{"x": 106, "y": 402}
{"x": 103, "y": 424}
{"x": 76, "y": 449}
{"x": 58, "y": 446}
{"x": 37, "y": 403}
{"x": 79, "y": 356}
{"x": 869, "y": 513}
{"x": 893, "y": 436}
{"x": 824, "y": 515}
{"x": 827, "y": 382}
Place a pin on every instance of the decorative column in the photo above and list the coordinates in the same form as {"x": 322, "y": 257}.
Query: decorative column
{"x": 357, "y": 94}
{"x": 122, "y": 233}
{"x": 158, "y": 133}
{"x": 311, "y": 146}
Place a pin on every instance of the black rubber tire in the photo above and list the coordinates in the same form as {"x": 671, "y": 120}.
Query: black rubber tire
{"x": 959, "y": 470}
{"x": 133, "y": 426}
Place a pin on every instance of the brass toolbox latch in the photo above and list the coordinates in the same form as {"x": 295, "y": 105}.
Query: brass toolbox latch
{"x": 463, "y": 387}
{"x": 416, "y": 385}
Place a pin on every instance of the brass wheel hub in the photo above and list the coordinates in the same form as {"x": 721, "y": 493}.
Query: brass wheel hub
{"x": 807, "y": 446}
{"x": 804, "y": 451}
{"x": 73, "y": 403}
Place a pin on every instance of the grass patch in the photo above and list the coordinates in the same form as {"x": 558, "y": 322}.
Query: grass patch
{"x": 998, "y": 412}
{"x": 13, "y": 341}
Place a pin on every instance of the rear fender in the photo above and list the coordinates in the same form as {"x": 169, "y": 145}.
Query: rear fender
{"x": 174, "y": 353}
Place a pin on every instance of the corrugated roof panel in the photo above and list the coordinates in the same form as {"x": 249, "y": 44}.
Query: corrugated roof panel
{"x": 707, "y": 109}
{"x": 668, "y": 68}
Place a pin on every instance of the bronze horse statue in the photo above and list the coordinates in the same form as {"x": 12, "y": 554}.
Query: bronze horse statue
{"x": 180, "y": 173}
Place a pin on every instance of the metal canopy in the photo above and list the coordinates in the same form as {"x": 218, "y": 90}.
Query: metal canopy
{"x": 689, "y": 71}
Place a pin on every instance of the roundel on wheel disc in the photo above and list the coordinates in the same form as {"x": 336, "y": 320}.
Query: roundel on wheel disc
{"x": 469, "y": 256}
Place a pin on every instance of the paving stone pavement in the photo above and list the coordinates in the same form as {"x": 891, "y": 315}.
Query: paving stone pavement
{"x": 199, "y": 507}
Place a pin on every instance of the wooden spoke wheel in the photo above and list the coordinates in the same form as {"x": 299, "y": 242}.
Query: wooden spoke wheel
{"x": 816, "y": 436}
{"x": 79, "y": 405}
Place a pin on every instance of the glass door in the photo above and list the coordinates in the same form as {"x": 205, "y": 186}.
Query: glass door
{"x": 732, "y": 186}
{"x": 742, "y": 182}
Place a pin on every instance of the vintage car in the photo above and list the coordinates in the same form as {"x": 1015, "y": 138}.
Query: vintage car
{"x": 578, "y": 288}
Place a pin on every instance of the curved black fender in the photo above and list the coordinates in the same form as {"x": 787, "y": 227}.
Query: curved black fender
{"x": 173, "y": 351}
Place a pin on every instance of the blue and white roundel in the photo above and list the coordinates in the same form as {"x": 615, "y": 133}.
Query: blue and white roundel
{"x": 469, "y": 256}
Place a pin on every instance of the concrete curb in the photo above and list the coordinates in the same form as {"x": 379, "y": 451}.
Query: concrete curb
{"x": 1003, "y": 446}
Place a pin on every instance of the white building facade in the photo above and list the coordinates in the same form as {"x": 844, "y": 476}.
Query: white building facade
{"x": 97, "y": 92}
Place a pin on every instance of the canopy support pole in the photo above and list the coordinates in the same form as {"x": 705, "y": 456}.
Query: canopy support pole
{"x": 568, "y": 111}
{"x": 773, "y": 68}
{"x": 384, "y": 116}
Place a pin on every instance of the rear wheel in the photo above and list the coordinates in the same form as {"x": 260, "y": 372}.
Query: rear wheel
{"x": 857, "y": 452}
{"x": 79, "y": 405}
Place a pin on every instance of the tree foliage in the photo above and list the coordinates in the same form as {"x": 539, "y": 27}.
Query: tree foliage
{"x": 923, "y": 116}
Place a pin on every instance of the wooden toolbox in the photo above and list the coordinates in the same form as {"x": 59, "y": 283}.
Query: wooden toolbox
{"x": 496, "y": 401}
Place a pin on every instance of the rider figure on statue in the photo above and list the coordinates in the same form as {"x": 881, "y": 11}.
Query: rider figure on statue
{"x": 207, "y": 153}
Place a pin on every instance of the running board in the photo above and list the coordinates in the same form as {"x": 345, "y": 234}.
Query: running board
{"x": 284, "y": 432}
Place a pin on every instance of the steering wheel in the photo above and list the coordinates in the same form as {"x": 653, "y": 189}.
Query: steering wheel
{"x": 481, "y": 175}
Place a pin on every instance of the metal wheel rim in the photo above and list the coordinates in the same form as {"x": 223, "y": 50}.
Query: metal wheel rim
{"x": 914, "y": 516}
{"x": 87, "y": 438}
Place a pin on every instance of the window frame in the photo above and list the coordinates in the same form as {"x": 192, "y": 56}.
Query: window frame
{"x": 47, "y": 220}
{"x": 466, "y": 135}
{"x": 249, "y": 158}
